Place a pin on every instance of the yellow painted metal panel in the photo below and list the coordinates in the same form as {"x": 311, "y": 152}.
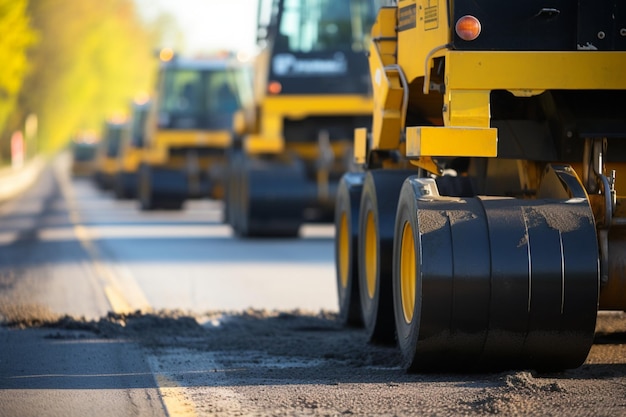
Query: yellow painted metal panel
{"x": 360, "y": 145}
{"x": 277, "y": 108}
{"x": 108, "y": 165}
{"x": 130, "y": 159}
{"x": 467, "y": 108}
{"x": 535, "y": 70}
{"x": 387, "y": 93}
{"x": 305, "y": 106}
{"x": 384, "y": 35}
{"x": 386, "y": 129}
{"x": 416, "y": 40}
{"x": 193, "y": 138}
{"x": 385, "y": 25}
{"x": 391, "y": 95}
{"x": 255, "y": 144}
{"x": 451, "y": 141}
{"x": 272, "y": 125}
{"x": 387, "y": 122}
{"x": 154, "y": 155}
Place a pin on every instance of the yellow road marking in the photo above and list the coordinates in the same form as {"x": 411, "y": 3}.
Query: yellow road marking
{"x": 172, "y": 395}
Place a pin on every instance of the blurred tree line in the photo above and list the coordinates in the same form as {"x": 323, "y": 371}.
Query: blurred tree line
{"x": 66, "y": 65}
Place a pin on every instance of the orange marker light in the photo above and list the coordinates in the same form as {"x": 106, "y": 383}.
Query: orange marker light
{"x": 274, "y": 87}
{"x": 468, "y": 28}
{"x": 166, "y": 54}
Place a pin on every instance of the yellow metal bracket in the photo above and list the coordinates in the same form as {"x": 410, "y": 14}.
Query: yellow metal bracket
{"x": 256, "y": 145}
{"x": 451, "y": 141}
{"x": 388, "y": 84}
{"x": 360, "y": 146}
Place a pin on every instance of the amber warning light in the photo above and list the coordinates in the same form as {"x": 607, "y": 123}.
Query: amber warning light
{"x": 274, "y": 87}
{"x": 468, "y": 28}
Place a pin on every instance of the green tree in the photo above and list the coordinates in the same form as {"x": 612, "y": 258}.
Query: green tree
{"x": 94, "y": 56}
{"x": 16, "y": 37}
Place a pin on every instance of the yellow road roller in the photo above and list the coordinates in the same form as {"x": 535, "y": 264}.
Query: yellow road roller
{"x": 293, "y": 142}
{"x": 126, "y": 178}
{"x": 486, "y": 224}
{"x": 105, "y": 166}
{"x": 83, "y": 150}
{"x": 189, "y": 128}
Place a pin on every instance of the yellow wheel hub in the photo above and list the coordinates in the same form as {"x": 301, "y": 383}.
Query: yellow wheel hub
{"x": 371, "y": 255}
{"x": 344, "y": 250}
{"x": 407, "y": 272}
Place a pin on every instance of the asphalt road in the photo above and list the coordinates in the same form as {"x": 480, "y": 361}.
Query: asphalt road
{"x": 68, "y": 225}
{"x": 67, "y": 248}
{"x": 111, "y": 311}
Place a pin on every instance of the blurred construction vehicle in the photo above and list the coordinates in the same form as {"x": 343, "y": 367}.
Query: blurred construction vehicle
{"x": 108, "y": 152}
{"x": 83, "y": 152}
{"x": 294, "y": 141}
{"x": 488, "y": 223}
{"x": 189, "y": 128}
{"x": 133, "y": 140}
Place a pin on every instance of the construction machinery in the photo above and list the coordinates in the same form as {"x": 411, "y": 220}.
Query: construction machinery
{"x": 487, "y": 225}
{"x": 83, "y": 150}
{"x": 108, "y": 151}
{"x": 133, "y": 139}
{"x": 189, "y": 128}
{"x": 294, "y": 141}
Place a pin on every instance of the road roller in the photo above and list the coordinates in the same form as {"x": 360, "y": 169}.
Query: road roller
{"x": 293, "y": 142}
{"x": 485, "y": 224}
{"x": 126, "y": 177}
{"x": 188, "y": 128}
{"x": 108, "y": 149}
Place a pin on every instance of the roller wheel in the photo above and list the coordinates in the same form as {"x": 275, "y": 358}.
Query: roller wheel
{"x": 495, "y": 283}
{"x": 232, "y": 187}
{"x": 119, "y": 188}
{"x": 170, "y": 203}
{"x": 146, "y": 197}
{"x": 242, "y": 209}
{"x": 124, "y": 188}
{"x": 346, "y": 241}
{"x": 270, "y": 201}
{"x": 377, "y": 214}
{"x": 150, "y": 198}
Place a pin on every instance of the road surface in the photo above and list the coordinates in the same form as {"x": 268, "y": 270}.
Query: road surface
{"x": 111, "y": 311}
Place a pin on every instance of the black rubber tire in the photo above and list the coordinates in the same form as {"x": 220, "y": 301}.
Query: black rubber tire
{"x": 145, "y": 194}
{"x": 381, "y": 189}
{"x": 124, "y": 188}
{"x": 346, "y": 243}
{"x": 492, "y": 283}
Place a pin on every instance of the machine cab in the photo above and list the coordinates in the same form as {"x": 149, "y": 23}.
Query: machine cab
{"x": 200, "y": 94}
{"x": 315, "y": 47}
